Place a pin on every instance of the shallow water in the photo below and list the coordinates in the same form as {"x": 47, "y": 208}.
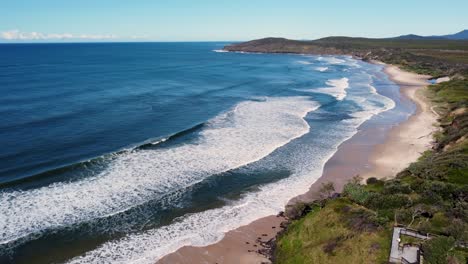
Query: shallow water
{"x": 124, "y": 152}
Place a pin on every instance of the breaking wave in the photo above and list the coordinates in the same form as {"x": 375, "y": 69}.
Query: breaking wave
{"x": 337, "y": 88}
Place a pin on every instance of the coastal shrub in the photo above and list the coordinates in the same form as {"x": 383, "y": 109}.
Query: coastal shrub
{"x": 458, "y": 230}
{"x": 436, "y": 250}
{"x": 393, "y": 187}
{"x": 374, "y": 185}
{"x": 355, "y": 192}
{"x": 386, "y": 215}
{"x": 438, "y": 190}
{"x": 429, "y": 197}
{"x": 459, "y": 210}
{"x": 403, "y": 216}
{"x": 424, "y": 227}
{"x": 386, "y": 201}
{"x": 439, "y": 223}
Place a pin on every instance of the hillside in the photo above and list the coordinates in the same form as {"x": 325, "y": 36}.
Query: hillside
{"x": 428, "y": 56}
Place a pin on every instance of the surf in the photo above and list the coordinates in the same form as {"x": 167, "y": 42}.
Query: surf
{"x": 245, "y": 134}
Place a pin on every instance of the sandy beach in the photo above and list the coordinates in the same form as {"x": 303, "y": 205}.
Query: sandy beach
{"x": 372, "y": 152}
{"x": 409, "y": 140}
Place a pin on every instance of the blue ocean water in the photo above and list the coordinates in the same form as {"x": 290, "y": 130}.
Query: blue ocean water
{"x": 119, "y": 152}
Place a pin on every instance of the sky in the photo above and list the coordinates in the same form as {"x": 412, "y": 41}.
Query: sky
{"x": 217, "y": 20}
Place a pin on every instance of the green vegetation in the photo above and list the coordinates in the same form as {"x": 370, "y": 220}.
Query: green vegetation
{"x": 438, "y": 249}
{"x": 431, "y": 196}
{"x": 340, "y": 232}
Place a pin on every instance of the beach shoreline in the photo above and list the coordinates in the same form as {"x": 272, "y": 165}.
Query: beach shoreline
{"x": 364, "y": 154}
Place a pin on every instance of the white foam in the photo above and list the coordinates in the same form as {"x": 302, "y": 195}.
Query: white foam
{"x": 220, "y": 50}
{"x": 208, "y": 227}
{"x": 304, "y": 62}
{"x": 370, "y": 105}
{"x": 331, "y": 60}
{"x": 337, "y": 88}
{"x": 321, "y": 69}
{"x": 159, "y": 141}
{"x": 243, "y": 135}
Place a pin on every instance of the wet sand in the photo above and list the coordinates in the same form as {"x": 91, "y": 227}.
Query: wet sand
{"x": 374, "y": 151}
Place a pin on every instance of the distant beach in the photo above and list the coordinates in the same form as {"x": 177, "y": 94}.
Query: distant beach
{"x": 377, "y": 150}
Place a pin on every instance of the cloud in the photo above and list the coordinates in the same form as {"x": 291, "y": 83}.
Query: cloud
{"x": 18, "y": 35}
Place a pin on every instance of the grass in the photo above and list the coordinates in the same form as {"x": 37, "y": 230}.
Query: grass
{"x": 330, "y": 235}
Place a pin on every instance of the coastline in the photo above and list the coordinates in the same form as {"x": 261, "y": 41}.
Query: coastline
{"x": 372, "y": 152}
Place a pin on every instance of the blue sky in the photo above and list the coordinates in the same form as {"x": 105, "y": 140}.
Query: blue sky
{"x": 199, "y": 20}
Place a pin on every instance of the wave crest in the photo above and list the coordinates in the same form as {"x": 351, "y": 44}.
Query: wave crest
{"x": 337, "y": 89}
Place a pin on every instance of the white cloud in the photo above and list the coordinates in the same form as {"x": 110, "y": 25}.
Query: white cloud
{"x": 18, "y": 35}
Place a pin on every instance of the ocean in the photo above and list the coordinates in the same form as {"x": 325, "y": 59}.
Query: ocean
{"x": 124, "y": 152}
